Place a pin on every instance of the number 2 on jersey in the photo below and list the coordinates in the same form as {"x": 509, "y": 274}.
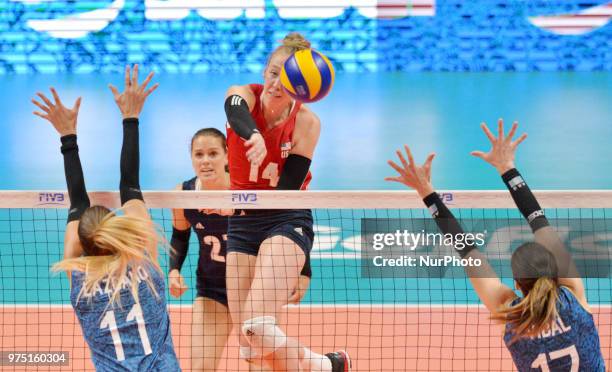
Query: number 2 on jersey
{"x": 215, "y": 252}
{"x": 270, "y": 172}
{"x": 109, "y": 321}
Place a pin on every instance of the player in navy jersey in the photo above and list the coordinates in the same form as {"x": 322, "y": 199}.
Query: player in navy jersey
{"x": 549, "y": 327}
{"x": 271, "y": 140}
{"x": 211, "y": 323}
{"x": 117, "y": 287}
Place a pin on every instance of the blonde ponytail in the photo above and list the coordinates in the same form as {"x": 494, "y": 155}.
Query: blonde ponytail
{"x": 535, "y": 313}
{"x": 122, "y": 245}
{"x": 295, "y": 41}
{"x": 291, "y": 43}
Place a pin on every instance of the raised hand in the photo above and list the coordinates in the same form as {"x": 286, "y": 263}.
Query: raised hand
{"x": 411, "y": 175}
{"x": 501, "y": 155}
{"x": 64, "y": 120}
{"x": 131, "y": 101}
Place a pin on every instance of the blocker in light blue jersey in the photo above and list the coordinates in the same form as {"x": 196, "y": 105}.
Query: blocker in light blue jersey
{"x": 127, "y": 336}
{"x": 571, "y": 345}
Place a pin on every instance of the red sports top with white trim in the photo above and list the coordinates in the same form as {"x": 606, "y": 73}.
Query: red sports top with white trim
{"x": 279, "y": 141}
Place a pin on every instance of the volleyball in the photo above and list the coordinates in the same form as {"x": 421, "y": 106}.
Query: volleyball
{"x": 307, "y": 75}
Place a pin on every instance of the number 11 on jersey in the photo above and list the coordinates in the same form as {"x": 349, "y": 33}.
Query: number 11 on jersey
{"x": 270, "y": 172}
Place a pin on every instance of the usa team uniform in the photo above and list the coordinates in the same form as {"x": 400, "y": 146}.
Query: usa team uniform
{"x": 211, "y": 230}
{"x": 127, "y": 336}
{"x": 572, "y": 344}
{"x": 247, "y": 232}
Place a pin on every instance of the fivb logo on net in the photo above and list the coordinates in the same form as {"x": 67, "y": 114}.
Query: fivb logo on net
{"x": 82, "y": 24}
{"x": 242, "y": 198}
{"x": 51, "y": 198}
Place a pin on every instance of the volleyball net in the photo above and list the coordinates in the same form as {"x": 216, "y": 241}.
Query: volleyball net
{"x": 385, "y": 285}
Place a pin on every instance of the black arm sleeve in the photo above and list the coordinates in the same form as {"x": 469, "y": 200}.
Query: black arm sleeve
{"x": 294, "y": 172}
{"x": 79, "y": 201}
{"x": 239, "y": 117}
{"x": 446, "y": 221}
{"x": 129, "y": 185}
{"x": 180, "y": 245}
{"x": 524, "y": 199}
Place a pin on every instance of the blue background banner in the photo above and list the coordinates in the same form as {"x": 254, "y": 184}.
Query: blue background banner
{"x": 229, "y": 36}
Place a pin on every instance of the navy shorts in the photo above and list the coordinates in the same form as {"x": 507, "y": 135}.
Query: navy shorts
{"x": 210, "y": 278}
{"x": 213, "y": 289}
{"x": 213, "y": 294}
{"x": 247, "y": 232}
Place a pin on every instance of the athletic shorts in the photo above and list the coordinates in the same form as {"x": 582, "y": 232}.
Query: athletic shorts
{"x": 210, "y": 275}
{"x": 214, "y": 289}
{"x": 247, "y": 232}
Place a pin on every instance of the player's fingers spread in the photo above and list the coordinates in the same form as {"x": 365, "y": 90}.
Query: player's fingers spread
{"x": 40, "y": 105}
{"x": 429, "y": 160}
{"x": 38, "y": 113}
{"x": 512, "y": 131}
{"x": 402, "y": 159}
{"x": 45, "y": 99}
{"x": 487, "y": 132}
{"x": 77, "y": 105}
{"x": 500, "y": 129}
{"x": 393, "y": 179}
{"x": 146, "y": 81}
{"x": 135, "y": 76}
{"x": 114, "y": 90}
{"x": 519, "y": 140}
{"x": 152, "y": 89}
{"x": 127, "y": 76}
{"x": 397, "y": 168}
{"x": 478, "y": 154}
{"x": 412, "y": 166}
{"x": 55, "y": 96}
{"x": 409, "y": 154}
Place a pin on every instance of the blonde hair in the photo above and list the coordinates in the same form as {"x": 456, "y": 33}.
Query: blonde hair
{"x": 534, "y": 313}
{"x": 291, "y": 43}
{"x": 535, "y": 270}
{"x": 113, "y": 246}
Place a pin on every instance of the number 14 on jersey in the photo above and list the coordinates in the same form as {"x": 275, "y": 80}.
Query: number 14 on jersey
{"x": 270, "y": 173}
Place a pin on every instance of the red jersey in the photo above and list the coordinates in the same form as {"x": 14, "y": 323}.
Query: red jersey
{"x": 279, "y": 141}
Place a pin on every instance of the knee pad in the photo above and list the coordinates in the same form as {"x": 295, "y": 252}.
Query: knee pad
{"x": 247, "y": 353}
{"x": 263, "y": 335}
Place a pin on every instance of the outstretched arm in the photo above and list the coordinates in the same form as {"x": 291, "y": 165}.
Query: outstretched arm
{"x": 491, "y": 291}
{"x": 64, "y": 121}
{"x": 130, "y": 103}
{"x": 501, "y": 157}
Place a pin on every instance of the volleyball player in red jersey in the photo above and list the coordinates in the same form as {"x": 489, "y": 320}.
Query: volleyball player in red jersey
{"x": 271, "y": 139}
{"x": 251, "y": 173}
